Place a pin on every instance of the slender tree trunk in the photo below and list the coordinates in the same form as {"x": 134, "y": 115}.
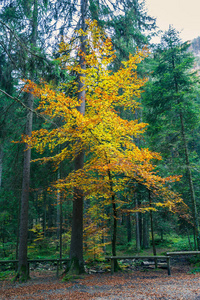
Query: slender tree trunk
{"x": 140, "y": 229}
{"x": 50, "y": 221}
{"x": 152, "y": 229}
{"x": 128, "y": 226}
{"x": 18, "y": 223}
{"x": 114, "y": 235}
{"x": 58, "y": 207}
{"x": 61, "y": 219}
{"x": 145, "y": 231}
{"x": 189, "y": 241}
{"x": 194, "y": 236}
{"x": 76, "y": 247}
{"x": 45, "y": 214}
{"x": 3, "y": 238}
{"x": 23, "y": 232}
{"x": 137, "y": 226}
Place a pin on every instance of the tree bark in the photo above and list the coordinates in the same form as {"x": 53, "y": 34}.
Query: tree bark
{"x": 152, "y": 229}
{"x": 137, "y": 225}
{"x": 45, "y": 213}
{"x": 128, "y": 226}
{"x": 114, "y": 235}
{"x": 145, "y": 231}
{"x": 58, "y": 207}
{"x": 76, "y": 247}
{"x": 61, "y": 220}
{"x": 23, "y": 232}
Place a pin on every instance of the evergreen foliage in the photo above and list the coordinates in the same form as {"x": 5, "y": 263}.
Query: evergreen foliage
{"x": 116, "y": 206}
{"x": 172, "y": 110}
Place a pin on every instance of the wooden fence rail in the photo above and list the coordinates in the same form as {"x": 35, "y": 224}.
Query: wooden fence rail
{"x": 155, "y": 258}
{"x": 57, "y": 260}
{"x": 183, "y": 253}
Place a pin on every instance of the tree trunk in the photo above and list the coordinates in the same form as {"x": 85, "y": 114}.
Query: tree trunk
{"x": 145, "y": 231}
{"x": 128, "y": 226}
{"x": 189, "y": 241}
{"x": 17, "y": 239}
{"x": 23, "y": 232}
{"x": 58, "y": 207}
{"x": 194, "y": 236}
{"x": 137, "y": 226}
{"x": 45, "y": 213}
{"x": 76, "y": 247}
{"x": 61, "y": 218}
{"x": 114, "y": 235}
{"x": 152, "y": 229}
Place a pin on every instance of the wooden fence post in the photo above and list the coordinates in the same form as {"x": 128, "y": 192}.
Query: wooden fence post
{"x": 112, "y": 266}
{"x": 168, "y": 265}
{"x": 156, "y": 262}
{"x": 57, "y": 269}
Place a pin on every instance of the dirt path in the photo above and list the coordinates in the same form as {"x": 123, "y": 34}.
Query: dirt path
{"x": 154, "y": 284}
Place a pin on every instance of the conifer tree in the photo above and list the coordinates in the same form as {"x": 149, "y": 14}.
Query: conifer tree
{"x": 171, "y": 109}
{"x": 15, "y": 16}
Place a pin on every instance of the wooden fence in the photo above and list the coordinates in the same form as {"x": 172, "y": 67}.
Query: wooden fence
{"x": 57, "y": 261}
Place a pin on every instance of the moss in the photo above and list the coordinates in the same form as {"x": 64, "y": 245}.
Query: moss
{"x": 116, "y": 266}
{"x": 75, "y": 268}
{"x": 22, "y": 274}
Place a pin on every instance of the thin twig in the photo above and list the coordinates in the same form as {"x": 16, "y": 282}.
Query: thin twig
{"x": 21, "y": 43}
{"x": 25, "y": 106}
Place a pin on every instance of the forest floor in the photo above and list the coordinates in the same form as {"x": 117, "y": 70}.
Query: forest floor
{"x": 131, "y": 284}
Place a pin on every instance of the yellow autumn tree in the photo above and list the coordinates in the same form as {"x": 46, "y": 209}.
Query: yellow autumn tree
{"x": 111, "y": 155}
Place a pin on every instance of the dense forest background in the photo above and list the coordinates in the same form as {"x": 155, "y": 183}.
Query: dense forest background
{"x": 36, "y": 216}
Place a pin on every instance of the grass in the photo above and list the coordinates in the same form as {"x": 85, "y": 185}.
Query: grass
{"x": 170, "y": 243}
{"x": 6, "y": 275}
{"x": 195, "y": 270}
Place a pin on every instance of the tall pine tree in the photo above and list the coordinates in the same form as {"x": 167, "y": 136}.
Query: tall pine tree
{"x": 171, "y": 110}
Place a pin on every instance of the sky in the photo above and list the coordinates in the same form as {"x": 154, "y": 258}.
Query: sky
{"x": 184, "y": 15}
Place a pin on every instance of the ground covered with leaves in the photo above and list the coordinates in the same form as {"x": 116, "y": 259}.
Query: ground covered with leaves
{"x": 151, "y": 284}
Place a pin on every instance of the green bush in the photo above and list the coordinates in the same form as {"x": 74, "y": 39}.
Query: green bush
{"x": 182, "y": 244}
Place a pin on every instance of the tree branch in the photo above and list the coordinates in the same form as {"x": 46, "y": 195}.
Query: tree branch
{"x": 26, "y": 107}
{"x": 21, "y": 43}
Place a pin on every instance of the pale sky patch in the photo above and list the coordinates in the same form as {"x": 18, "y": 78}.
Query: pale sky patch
{"x": 184, "y": 15}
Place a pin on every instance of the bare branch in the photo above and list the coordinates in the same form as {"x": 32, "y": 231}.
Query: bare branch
{"x": 28, "y": 108}
{"x": 21, "y": 43}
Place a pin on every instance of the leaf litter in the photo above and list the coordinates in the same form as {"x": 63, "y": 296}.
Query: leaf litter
{"x": 151, "y": 284}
